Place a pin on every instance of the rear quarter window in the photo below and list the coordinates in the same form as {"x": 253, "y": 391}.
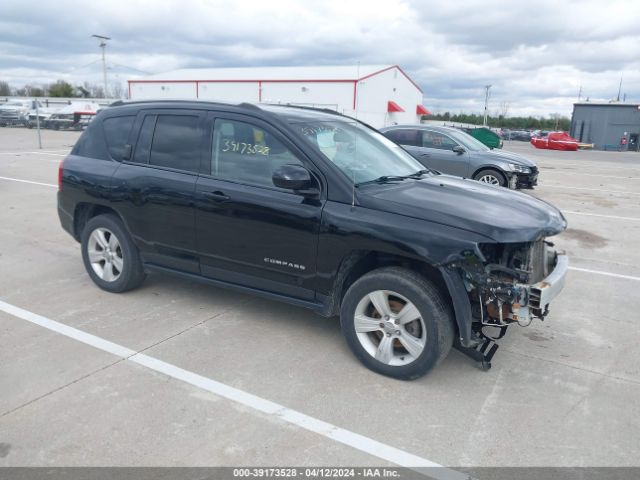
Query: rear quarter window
{"x": 91, "y": 143}
{"x": 116, "y": 134}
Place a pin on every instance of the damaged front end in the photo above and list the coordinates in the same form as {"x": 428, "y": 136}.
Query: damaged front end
{"x": 504, "y": 284}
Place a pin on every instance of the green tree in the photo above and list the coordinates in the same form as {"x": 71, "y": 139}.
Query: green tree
{"x": 5, "y": 89}
{"x": 555, "y": 121}
{"x": 61, "y": 89}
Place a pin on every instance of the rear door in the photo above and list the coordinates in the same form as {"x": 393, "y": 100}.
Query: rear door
{"x": 250, "y": 232}
{"x": 154, "y": 188}
{"x": 411, "y": 141}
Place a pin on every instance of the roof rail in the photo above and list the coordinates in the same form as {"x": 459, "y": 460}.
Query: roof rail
{"x": 119, "y": 103}
{"x": 305, "y": 107}
{"x": 249, "y": 105}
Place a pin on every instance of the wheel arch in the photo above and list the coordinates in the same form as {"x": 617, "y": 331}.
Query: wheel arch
{"x": 446, "y": 280}
{"x": 85, "y": 211}
{"x": 491, "y": 166}
{"x": 358, "y": 263}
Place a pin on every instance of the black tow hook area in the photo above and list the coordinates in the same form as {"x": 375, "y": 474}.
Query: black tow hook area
{"x": 486, "y": 348}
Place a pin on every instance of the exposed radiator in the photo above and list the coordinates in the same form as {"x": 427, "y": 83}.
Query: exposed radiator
{"x": 538, "y": 264}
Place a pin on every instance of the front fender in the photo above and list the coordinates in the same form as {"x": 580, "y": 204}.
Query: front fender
{"x": 461, "y": 304}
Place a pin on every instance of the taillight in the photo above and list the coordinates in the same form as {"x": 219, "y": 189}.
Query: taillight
{"x": 60, "y": 168}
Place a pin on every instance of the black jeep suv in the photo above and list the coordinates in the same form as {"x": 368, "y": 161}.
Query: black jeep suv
{"x": 316, "y": 209}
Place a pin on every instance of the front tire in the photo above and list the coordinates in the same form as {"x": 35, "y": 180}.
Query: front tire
{"x": 397, "y": 323}
{"x": 110, "y": 257}
{"x": 491, "y": 177}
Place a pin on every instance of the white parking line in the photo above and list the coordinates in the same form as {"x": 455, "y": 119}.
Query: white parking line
{"x": 591, "y": 175}
{"x": 37, "y": 153}
{"x": 621, "y": 192}
{"x": 608, "y": 274}
{"x": 28, "y": 181}
{"x": 50, "y": 153}
{"x": 592, "y": 164}
{"x": 634, "y": 219}
{"x": 21, "y": 159}
{"x": 333, "y": 432}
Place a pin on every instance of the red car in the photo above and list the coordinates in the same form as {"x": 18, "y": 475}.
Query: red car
{"x": 556, "y": 141}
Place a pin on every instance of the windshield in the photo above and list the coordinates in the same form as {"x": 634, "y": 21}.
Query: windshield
{"x": 467, "y": 141}
{"x": 361, "y": 153}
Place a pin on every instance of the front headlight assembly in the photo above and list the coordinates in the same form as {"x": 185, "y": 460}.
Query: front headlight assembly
{"x": 519, "y": 168}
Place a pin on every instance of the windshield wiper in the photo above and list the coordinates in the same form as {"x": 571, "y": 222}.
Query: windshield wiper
{"x": 418, "y": 174}
{"x": 384, "y": 179}
{"x": 395, "y": 178}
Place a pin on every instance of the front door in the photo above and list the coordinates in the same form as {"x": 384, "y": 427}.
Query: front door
{"x": 248, "y": 231}
{"x": 442, "y": 157}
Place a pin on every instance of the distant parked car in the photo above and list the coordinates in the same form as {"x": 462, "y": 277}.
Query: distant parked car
{"x": 449, "y": 150}
{"x": 75, "y": 116}
{"x": 518, "y": 135}
{"x": 555, "y": 141}
{"x": 17, "y": 112}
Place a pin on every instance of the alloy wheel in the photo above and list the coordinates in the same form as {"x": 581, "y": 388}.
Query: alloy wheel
{"x": 490, "y": 179}
{"x": 390, "y": 328}
{"x": 105, "y": 254}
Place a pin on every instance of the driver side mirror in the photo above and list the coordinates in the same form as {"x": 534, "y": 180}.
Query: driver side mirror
{"x": 296, "y": 178}
{"x": 458, "y": 149}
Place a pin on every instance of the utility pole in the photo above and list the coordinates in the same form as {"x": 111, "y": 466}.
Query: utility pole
{"x": 619, "y": 88}
{"x": 486, "y": 103}
{"x": 103, "y": 45}
{"x": 38, "y": 123}
{"x": 580, "y": 93}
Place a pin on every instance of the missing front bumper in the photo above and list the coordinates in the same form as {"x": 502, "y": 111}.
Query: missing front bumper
{"x": 542, "y": 293}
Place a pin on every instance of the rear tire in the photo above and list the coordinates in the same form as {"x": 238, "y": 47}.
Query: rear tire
{"x": 110, "y": 257}
{"x": 377, "y": 321}
{"x": 491, "y": 177}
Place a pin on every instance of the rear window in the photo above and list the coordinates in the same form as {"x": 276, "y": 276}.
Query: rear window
{"x": 116, "y": 133}
{"x": 404, "y": 137}
{"x": 176, "y": 142}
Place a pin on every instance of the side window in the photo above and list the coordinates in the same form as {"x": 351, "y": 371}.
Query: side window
{"x": 176, "y": 142}
{"x": 247, "y": 154}
{"x": 91, "y": 143}
{"x": 404, "y": 137}
{"x": 143, "y": 145}
{"x": 437, "y": 140}
{"x": 116, "y": 132}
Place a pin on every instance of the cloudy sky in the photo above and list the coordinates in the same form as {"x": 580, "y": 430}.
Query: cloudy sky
{"x": 535, "y": 54}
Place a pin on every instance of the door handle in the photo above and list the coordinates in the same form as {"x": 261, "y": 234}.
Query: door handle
{"x": 216, "y": 196}
{"x": 424, "y": 154}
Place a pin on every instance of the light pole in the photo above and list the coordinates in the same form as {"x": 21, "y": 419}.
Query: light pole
{"x": 103, "y": 45}
{"x": 486, "y": 103}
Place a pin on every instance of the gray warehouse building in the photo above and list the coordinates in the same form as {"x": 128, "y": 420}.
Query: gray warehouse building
{"x": 609, "y": 126}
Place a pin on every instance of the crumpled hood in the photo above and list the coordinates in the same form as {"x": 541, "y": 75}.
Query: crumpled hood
{"x": 505, "y": 156}
{"x": 495, "y": 212}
